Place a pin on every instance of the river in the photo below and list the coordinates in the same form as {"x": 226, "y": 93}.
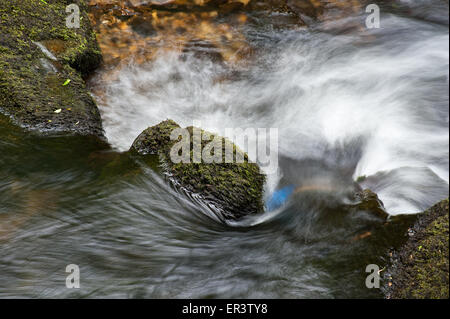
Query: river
{"x": 347, "y": 102}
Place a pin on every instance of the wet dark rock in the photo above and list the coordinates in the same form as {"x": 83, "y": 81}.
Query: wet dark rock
{"x": 232, "y": 190}
{"x": 369, "y": 201}
{"x": 420, "y": 268}
{"x": 305, "y": 9}
{"x": 38, "y": 54}
{"x": 184, "y": 5}
{"x": 142, "y": 27}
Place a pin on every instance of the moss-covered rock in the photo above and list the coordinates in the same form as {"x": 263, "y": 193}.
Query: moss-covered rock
{"x": 232, "y": 190}
{"x": 38, "y": 54}
{"x": 419, "y": 269}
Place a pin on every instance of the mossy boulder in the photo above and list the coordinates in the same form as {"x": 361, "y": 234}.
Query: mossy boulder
{"x": 419, "y": 269}
{"x": 232, "y": 190}
{"x": 38, "y": 55}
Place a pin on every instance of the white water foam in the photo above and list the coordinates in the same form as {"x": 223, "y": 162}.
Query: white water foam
{"x": 316, "y": 90}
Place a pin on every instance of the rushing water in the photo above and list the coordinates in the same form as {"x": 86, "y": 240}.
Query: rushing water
{"x": 347, "y": 102}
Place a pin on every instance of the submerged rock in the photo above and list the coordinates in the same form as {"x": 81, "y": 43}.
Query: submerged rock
{"x": 202, "y": 50}
{"x": 419, "y": 269}
{"x": 232, "y": 190}
{"x": 42, "y": 65}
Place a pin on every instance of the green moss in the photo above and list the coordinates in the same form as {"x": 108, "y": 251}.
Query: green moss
{"x": 369, "y": 201}
{"x": 431, "y": 265}
{"x": 32, "y": 20}
{"x": 361, "y": 179}
{"x": 237, "y": 188}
